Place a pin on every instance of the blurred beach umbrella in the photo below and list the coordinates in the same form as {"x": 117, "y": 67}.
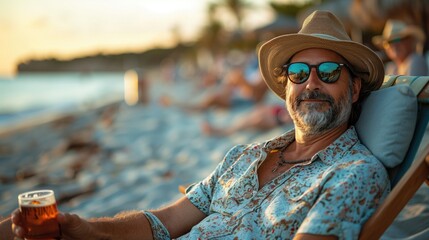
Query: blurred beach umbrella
{"x": 281, "y": 25}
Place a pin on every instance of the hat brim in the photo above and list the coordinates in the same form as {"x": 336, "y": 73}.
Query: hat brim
{"x": 279, "y": 50}
{"x": 410, "y": 31}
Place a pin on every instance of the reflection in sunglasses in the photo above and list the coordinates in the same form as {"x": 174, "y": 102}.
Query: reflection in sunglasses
{"x": 299, "y": 72}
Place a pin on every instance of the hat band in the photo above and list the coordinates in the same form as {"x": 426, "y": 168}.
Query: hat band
{"x": 325, "y": 36}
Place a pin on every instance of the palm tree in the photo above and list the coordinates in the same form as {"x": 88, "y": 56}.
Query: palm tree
{"x": 210, "y": 34}
{"x": 237, "y": 7}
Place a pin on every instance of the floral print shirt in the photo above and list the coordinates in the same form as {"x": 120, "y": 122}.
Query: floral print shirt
{"x": 333, "y": 194}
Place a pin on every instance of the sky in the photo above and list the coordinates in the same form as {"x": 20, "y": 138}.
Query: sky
{"x": 64, "y": 29}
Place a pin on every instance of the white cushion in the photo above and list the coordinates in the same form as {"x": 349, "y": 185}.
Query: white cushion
{"x": 387, "y": 121}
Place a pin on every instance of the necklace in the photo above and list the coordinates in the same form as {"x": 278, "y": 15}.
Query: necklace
{"x": 281, "y": 162}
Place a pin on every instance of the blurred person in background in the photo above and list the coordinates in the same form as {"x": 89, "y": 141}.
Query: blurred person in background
{"x": 403, "y": 44}
{"x": 241, "y": 85}
{"x": 143, "y": 87}
{"x": 261, "y": 117}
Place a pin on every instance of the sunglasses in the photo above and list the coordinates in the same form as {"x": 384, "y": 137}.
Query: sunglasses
{"x": 395, "y": 40}
{"x": 299, "y": 72}
{"x": 387, "y": 44}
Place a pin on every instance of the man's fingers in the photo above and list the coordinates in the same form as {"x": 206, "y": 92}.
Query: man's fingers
{"x": 15, "y": 217}
{"x": 16, "y": 224}
{"x": 68, "y": 219}
{"x": 61, "y": 218}
{"x": 18, "y": 231}
{"x": 70, "y": 223}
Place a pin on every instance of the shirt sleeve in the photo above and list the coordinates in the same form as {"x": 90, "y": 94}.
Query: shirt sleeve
{"x": 159, "y": 231}
{"x": 201, "y": 193}
{"x": 350, "y": 195}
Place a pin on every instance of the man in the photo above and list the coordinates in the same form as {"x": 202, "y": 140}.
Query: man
{"x": 315, "y": 182}
{"x": 403, "y": 44}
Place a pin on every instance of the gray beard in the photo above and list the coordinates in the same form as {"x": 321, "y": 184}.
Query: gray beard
{"x": 314, "y": 122}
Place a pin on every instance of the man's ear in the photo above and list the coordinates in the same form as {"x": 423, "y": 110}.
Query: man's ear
{"x": 357, "y": 83}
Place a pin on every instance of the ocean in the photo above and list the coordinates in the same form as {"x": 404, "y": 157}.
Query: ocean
{"x": 30, "y": 95}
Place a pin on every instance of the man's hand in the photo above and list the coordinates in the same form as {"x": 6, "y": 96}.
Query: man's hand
{"x": 178, "y": 218}
{"x": 71, "y": 225}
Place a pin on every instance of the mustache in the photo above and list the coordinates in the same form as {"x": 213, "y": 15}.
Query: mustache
{"x": 314, "y": 95}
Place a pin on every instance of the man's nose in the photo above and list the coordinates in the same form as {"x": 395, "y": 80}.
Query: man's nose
{"x": 313, "y": 82}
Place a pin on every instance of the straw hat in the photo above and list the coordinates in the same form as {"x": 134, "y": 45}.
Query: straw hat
{"x": 320, "y": 30}
{"x": 395, "y": 29}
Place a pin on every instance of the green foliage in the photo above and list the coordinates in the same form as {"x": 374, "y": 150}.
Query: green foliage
{"x": 288, "y": 9}
{"x": 292, "y": 9}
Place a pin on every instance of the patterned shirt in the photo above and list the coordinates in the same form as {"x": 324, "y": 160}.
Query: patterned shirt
{"x": 333, "y": 194}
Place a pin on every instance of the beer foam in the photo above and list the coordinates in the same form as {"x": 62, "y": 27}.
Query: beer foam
{"x": 37, "y": 198}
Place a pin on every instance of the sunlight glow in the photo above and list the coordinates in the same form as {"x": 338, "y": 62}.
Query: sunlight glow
{"x": 74, "y": 28}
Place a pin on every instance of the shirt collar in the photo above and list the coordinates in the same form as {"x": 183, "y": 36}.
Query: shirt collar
{"x": 328, "y": 155}
{"x": 339, "y": 147}
{"x": 280, "y": 141}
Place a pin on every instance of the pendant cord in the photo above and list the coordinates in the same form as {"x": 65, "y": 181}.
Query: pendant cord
{"x": 282, "y": 161}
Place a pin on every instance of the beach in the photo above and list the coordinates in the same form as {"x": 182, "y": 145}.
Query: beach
{"x": 116, "y": 157}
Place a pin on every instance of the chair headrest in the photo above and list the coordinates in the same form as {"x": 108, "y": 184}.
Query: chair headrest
{"x": 387, "y": 122}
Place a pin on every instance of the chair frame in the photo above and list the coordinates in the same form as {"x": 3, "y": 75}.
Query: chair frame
{"x": 413, "y": 171}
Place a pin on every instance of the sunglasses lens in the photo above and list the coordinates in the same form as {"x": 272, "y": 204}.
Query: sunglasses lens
{"x": 329, "y": 72}
{"x": 298, "y": 72}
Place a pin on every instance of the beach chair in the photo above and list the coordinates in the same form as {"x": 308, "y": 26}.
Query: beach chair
{"x": 409, "y": 175}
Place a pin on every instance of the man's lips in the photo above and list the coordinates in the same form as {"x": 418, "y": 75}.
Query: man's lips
{"x": 314, "y": 97}
{"x": 314, "y": 100}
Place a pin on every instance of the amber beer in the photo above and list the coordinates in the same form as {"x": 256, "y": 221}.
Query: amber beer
{"x": 39, "y": 212}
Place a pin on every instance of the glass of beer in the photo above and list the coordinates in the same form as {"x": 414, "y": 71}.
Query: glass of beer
{"x": 39, "y": 212}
